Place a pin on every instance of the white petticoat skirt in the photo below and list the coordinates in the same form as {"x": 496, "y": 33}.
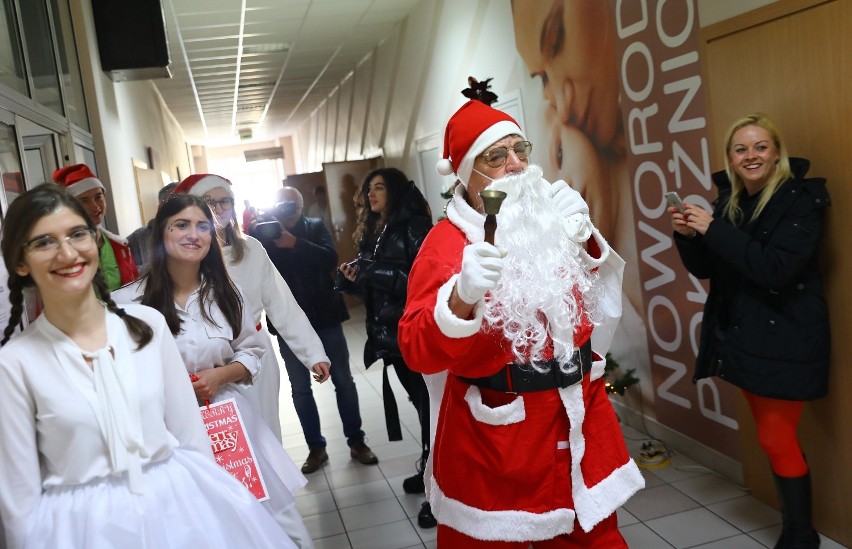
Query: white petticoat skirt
{"x": 188, "y": 501}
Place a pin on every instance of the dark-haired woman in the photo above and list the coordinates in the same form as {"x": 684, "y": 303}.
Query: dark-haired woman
{"x": 101, "y": 442}
{"x": 393, "y": 220}
{"x": 188, "y": 282}
{"x": 265, "y": 292}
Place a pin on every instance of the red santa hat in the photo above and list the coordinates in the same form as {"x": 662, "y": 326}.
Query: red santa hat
{"x": 200, "y": 183}
{"x": 471, "y": 130}
{"x": 77, "y": 179}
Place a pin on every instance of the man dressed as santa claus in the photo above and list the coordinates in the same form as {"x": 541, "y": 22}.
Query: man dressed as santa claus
{"x": 527, "y": 447}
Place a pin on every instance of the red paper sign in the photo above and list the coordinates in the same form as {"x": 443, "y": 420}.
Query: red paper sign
{"x": 231, "y": 445}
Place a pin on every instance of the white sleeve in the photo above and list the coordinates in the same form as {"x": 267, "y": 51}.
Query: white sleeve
{"x": 20, "y": 473}
{"x": 182, "y": 417}
{"x": 289, "y": 319}
{"x": 247, "y": 346}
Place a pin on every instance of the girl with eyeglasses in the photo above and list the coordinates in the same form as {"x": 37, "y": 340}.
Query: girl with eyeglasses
{"x": 101, "y": 442}
{"x": 207, "y": 314}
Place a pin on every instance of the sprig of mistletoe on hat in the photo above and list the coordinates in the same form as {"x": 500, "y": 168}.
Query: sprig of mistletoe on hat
{"x": 480, "y": 91}
{"x": 472, "y": 129}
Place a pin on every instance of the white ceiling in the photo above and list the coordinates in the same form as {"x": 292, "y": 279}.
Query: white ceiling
{"x": 241, "y": 63}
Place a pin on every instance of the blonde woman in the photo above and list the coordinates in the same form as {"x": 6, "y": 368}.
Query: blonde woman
{"x": 765, "y": 326}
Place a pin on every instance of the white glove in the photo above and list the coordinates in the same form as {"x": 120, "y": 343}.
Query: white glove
{"x": 482, "y": 266}
{"x": 567, "y": 200}
{"x": 575, "y": 210}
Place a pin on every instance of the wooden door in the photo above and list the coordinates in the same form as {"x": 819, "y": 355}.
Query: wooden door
{"x": 343, "y": 179}
{"x": 791, "y": 61}
{"x": 306, "y": 183}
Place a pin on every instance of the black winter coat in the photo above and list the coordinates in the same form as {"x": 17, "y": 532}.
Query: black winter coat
{"x": 382, "y": 280}
{"x": 765, "y": 327}
{"x": 308, "y": 268}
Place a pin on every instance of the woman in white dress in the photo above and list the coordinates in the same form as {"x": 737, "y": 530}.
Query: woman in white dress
{"x": 101, "y": 442}
{"x": 187, "y": 281}
{"x": 264, "y": 289}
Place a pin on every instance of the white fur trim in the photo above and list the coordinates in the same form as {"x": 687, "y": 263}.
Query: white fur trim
{"x": 609, "y": 308}
{"x": 209, "y": 183}
{"x": 498, "y": 525}
{"x": 114, "y": 237}
{"x": 507, "y": 414}
{"x": 444, "y": 167}
{"x": 598, "y": 369}
{"x": 592, "y": 505}
{"x": 495, "y": 133}
{"x": 592, "y": 262}
{"x": 451, "y": 325}
{"x": 84, "y": 185}
{"x": 600, "y": 501}
{"x": 466, "y": 219}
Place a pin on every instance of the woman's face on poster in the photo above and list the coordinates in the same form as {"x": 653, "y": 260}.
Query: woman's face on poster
{"x": 570, "y": 46}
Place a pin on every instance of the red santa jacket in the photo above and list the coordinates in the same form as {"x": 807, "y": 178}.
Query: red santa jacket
{"x": 508, "y": 467}
{"x": 123, "y": 256}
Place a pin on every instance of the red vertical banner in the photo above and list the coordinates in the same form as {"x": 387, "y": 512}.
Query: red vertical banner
{"x": 231, "y": 445}
{"x": 664, "y": 115}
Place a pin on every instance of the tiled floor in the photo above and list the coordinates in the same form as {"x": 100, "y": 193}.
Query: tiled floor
{"x": 348, "y": 505}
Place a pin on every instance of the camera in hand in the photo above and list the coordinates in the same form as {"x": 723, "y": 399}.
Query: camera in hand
{"x": 268, "y": 227}
{"x": 285, "y": 209}
{"x": 267, "y": 230}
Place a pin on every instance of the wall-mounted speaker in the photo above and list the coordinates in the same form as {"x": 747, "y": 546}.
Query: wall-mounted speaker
{"x": 132, "y": 39}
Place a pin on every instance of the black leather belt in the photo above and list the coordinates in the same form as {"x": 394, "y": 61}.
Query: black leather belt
{"x": 523, "y": 378}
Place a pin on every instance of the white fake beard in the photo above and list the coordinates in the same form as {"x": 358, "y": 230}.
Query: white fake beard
{"x": 535, "y": 296}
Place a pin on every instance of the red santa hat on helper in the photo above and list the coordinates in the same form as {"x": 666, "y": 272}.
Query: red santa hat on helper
{"x": 77, "y": 179}
{"x": 471, "y": 130}
{"x": 200, "y": 183}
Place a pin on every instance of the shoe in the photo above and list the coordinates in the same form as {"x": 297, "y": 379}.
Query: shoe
{"x": 316, "y": 457}
{"x": 425, "y": 518}
{"x": 414, "y": 484}
{"x": 362, "y": 453}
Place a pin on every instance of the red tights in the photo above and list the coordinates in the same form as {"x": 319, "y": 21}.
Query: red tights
{"x": 777, "y": 422}
{"x": 604, "y": 535}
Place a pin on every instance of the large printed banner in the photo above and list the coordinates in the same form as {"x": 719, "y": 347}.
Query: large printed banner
{"x": 614, "y": 104}
{"x": 664, "y": 114}
{"x": 232, "y": 447}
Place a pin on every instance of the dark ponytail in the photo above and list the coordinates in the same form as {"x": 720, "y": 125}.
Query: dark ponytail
{"x": 16, "y": 298}
{"x": 139, "y": 330}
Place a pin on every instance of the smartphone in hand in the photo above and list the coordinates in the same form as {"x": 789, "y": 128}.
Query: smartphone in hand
{"x": 672, "y": 199}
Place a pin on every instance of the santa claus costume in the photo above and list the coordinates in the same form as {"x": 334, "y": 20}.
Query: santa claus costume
{"x": 519, "y": 455}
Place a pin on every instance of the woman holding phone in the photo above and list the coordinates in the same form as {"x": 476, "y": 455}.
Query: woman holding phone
{"x": 765, "y": 326}
{"x": 393, "y": 220}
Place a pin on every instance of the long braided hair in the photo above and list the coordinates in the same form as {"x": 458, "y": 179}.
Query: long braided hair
{"x": 24, "y": 212}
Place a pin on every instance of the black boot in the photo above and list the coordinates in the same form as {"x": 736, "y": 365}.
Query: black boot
{"x": 414, "y": 484}
{"x": 795, "y": 495}
{"x": 425, "y": 518}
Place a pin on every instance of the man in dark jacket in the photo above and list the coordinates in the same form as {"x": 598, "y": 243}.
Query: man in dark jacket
{"x": 305, "y": 256}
